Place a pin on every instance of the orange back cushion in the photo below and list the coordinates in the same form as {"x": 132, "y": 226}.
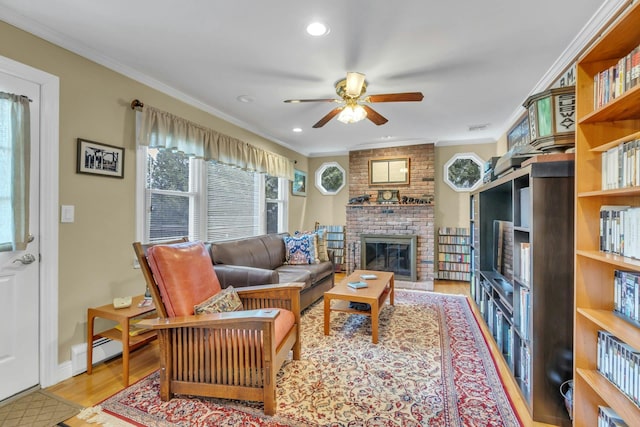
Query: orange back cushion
{"x": 184, "y": 274}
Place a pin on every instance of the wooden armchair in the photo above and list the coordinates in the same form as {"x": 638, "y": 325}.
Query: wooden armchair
{"x": 232, "y": 355}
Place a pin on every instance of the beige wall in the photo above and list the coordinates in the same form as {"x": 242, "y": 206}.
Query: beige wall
{"x": 325, "y": 209}
{"x": 96, "y": 258}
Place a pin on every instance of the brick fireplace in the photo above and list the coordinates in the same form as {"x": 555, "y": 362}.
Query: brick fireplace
{"x": 393, "y": 220}
{"x": 388, "y": 220}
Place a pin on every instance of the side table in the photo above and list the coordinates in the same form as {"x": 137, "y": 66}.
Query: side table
{"x": 123, "y": 316}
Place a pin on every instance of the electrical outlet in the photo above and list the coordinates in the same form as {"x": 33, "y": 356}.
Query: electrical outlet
{"x": 136, "y": 263}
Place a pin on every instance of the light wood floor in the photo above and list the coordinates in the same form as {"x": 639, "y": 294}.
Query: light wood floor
{"x": 106, "y": 380}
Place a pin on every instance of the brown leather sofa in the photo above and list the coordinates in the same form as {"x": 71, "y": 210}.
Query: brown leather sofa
{"x": 260, "y": 260}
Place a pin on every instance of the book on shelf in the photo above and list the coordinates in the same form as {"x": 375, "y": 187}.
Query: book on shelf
{"x": 620, "y": 364}
{"x": 621, "y": 165}
{"x": 607, "y": 417}
{"x": 525, "y": 368}
{"x": 525, "y": 262}
{"x": 133, "y": 328}
{"x": 626, "y": 294}
{"x": 525, "y": 316}
{"x": 619, "y": 228}
{"x": 357, "y": 285}
{"x": 615, "y": 80}
{"x": 498, "y": 332}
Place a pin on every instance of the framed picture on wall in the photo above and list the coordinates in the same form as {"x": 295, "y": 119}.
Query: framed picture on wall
{"x": 299, "y": 183}
{"x": 389, "y": 171}
{"x": 95, "y": 158}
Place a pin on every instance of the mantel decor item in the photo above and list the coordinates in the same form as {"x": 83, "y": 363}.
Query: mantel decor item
{"x": 299, "y": 183}
{"x": 388, "y": 196}
{"x": 552, "y": 119}
{"x": 95, "y": 158}
{"x": 389, "y": 171}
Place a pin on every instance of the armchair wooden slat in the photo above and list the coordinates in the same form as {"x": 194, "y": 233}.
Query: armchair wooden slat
{"x": 230, "y": 355}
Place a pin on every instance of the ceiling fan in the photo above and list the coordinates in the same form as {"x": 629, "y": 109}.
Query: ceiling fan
{"x": 354, "y": 104}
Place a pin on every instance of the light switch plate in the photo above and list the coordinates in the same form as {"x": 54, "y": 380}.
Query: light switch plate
{"x": 67, "y": 213}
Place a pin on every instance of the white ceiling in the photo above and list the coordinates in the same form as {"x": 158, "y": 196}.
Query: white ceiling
{"x": 474, "y": 61}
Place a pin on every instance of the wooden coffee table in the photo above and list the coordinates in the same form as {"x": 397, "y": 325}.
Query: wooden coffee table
{"x": 375, "y": 295}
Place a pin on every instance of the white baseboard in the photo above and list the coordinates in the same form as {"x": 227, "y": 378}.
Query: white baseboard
{"x": 103, "y": 349}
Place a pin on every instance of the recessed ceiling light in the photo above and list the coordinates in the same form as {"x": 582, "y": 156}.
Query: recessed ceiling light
{"x": 246, "y": 98}
{"x": 297, "y": 129}
{"x": 317, "y": 29}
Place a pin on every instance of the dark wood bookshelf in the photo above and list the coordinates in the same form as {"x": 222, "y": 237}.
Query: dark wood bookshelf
{"x": 528, "y": 304}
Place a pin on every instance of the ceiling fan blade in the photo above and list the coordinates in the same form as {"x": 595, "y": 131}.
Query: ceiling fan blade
{"x": 396, "y": 97}
{"x": 374, "y": 116}
{"x": 323, "y": 121}
{"x": 297, "y": 101}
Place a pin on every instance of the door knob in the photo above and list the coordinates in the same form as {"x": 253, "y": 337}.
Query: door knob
{"x": 26, "y": 259}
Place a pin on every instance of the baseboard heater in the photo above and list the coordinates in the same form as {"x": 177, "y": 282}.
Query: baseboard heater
{"x": 103, "y": 349}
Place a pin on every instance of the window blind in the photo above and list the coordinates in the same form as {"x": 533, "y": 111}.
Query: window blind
{"x": 234, "y": 203}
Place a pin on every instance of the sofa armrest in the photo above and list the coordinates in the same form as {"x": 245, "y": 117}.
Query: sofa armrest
{"x": 240, "y": 276}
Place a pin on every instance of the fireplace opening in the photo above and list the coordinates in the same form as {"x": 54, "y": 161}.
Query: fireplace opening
{"x": 394, "y": 253}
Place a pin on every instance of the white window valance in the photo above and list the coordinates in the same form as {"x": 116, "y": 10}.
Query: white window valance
{"x": 160, "y": 129}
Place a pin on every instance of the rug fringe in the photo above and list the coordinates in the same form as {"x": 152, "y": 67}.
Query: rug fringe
{"x": 94, "y": 415}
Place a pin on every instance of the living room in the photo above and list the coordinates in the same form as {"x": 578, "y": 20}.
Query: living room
{"x": 94, "y": 262}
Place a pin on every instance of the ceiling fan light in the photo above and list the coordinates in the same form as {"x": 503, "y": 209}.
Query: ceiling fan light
{"x": 352, "y": 114}
{"x": 354, "y": 84}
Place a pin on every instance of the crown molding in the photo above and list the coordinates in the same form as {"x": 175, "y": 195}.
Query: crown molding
{"x": 598, "y": 23}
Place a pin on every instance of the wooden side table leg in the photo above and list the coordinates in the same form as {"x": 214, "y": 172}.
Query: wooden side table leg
{"x": 327, "y": 314}
{"x": 90, "y": 319}
{"x": 125, "y": 351}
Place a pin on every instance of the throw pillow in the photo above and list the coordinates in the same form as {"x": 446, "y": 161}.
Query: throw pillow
{"x": 300, "y": 249}
{"x": 323, "y": 255}
{"x": 225, "y": 300}
{"x": 319, "y": 243}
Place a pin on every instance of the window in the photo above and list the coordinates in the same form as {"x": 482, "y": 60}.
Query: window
{"x": 184, "y": 196}
{"x": 330, "y": 178}
{"x": 463, "y": 172}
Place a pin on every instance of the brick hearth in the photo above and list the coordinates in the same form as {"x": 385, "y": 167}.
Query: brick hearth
{"x": 394, "y": 220}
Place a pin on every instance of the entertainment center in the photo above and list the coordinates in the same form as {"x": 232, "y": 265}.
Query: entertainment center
{"x": 522, "y": 262}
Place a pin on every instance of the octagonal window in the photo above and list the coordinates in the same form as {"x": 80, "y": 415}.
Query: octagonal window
{"x": 463, "y": 172}
{"x": 330, "y": 178}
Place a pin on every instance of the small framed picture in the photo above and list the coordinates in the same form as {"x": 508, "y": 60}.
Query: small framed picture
{"x": 299, "y": 183}
{"x": 96, "y": 158}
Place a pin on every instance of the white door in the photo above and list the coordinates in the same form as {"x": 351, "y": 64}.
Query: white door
{"x": 19, "y": 276}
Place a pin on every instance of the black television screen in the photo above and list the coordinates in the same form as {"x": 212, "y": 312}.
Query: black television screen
{"x": 502, "y": 250}
{"x": 498, "y": 246}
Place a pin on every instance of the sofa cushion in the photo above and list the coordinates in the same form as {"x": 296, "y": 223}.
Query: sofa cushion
{"x": 224, "y": 301}
{"x": 250, "y": 252}
{"x": 274, "y": 244}
{"x": 184, "y": 274}
{"x": 294, "y": 273}
{"x": 311, "y": 272}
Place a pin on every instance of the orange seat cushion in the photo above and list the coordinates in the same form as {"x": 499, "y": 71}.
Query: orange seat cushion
{"x": 184, "y": 274}
{"x": 284, "y": 323}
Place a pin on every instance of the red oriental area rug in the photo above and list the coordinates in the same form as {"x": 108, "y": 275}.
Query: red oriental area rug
{"x": 431, "y": 367}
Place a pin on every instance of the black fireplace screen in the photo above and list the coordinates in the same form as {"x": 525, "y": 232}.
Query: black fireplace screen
{"x": 396, "y": 254}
